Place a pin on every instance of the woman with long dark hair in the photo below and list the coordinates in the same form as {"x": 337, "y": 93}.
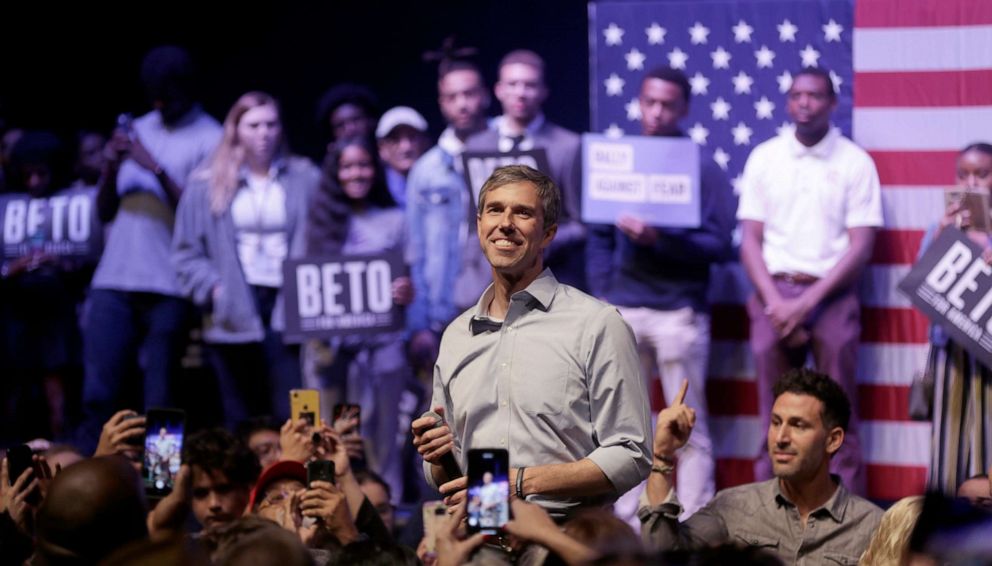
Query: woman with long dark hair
{"x": 242, "y": 214}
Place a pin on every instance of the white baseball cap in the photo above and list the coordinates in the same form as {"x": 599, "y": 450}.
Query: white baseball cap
{"x": 400, "y": 116}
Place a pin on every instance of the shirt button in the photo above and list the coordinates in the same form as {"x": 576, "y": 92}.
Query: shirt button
{"x": 502, "y": 442}
{"x": 502, "y": 365}
{"x": 504, "y": 403}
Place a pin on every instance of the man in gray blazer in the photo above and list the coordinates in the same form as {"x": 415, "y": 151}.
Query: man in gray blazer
{"x": 522, "y": 126}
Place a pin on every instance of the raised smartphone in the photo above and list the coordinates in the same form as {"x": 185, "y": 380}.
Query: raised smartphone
{"x": 488, "y": 490}
{"x": 164, "y": 432}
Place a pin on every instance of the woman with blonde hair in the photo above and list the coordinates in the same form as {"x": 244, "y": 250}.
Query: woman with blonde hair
{"x": 241, "y": 215}
{"x": 889, "y": 545}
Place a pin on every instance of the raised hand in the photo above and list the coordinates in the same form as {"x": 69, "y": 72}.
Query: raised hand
{"x": 674, "y": 426}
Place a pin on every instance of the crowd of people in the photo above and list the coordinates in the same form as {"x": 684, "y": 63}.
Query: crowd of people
{"x": 525, "y": 329}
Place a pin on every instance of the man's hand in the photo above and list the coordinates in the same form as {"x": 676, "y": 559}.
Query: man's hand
{"x": 452, "y": 548}
{"x": 674, "y": 425}
{"x": 140, "y": 155}
{"x": 531, "y": 523}
{"x": 430, "y": 442}
{"x": 169, "y": 516}
{"x": 296, "y": 441}
{"x": 402, "y": 291}
{"x": 787, "y": 315}
{"x": 121, "y": 427}
{"x": 348, "y": 433}
{"x": 332, "y": 447}
{"x": 325, "y": 502}
{"x": 22, "y": 500}
{"x": 454, "y": 492}
{"x": 637, "y": 230}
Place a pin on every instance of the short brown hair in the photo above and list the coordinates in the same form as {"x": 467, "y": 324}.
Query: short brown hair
{"x": 547, "y": 189}
{"x": 523, "y": 57}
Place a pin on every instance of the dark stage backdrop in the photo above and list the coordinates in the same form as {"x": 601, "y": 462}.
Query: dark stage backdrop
{"x": 66, "y": 68}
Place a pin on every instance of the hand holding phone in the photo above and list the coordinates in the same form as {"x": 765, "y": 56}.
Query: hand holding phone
{"x": 433, "y": 513}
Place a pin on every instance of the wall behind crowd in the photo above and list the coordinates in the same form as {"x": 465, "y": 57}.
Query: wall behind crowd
{"x": 78, "y": 68}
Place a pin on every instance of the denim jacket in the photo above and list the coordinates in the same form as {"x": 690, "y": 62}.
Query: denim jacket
{"x": 447, "y": 267}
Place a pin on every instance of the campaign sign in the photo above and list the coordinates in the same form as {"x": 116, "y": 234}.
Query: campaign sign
{"x": 952, "y": 285}
{"x": 479, "y": 165}
{"x": 653, "y": 178}
{"x": 64, "y": 224}
{"x": 340, "y": 295}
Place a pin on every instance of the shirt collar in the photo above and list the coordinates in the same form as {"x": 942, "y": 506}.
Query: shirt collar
{"x": 835, "y": 506}
{"x": 538, "y": 294}
{"x": 450, "y": 143}
{"x": 822, "y": 149}
{"x": 530, "y": 130}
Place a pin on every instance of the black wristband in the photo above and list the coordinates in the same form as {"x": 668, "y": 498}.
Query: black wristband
{"x": 520, "y": 483}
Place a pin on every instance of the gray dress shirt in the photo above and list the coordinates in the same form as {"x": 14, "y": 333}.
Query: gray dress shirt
{"x": 557, "y": 381}
{"x": 759, "y": 514}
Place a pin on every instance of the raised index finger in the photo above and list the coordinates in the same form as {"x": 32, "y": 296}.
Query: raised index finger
{"x": 680, "y": 398}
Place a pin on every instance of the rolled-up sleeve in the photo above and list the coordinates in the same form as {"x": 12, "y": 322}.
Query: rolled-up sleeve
{"x": 621, "y": 418}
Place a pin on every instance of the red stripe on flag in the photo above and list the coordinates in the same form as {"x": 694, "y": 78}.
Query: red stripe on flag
{"x": 878, "y": 324}
{"x": 923, "y": 168}
{"x": 733, "y": 471}
{"x": 876, "y": 14}
{"x": 891, "y": 483}
{"x": 896, "y": 247}
{"x": 883, "y": 402}
{"x": 893, "y": 325}
{"x": 920, "y": 89}
{"x": 731, "y": 397}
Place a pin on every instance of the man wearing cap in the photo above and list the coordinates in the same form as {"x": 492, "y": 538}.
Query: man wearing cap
{"x": 402, "y": 138}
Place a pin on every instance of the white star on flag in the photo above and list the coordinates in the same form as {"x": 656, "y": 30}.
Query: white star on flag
{"x": 698, "y": 133}
{"x": 831, "y": 31}
{"x": 720, "y": 108}
{"x": 613, "y": 132}
{"x": 787, "y": 31}
{"x": 763, "y": 108}
{"x": 614, "y": 35}
{"x": 633, "y": 109}
{"x": 635, "y": 60}
{"x": 764, "y": 56}
{"x": 736, "y": 182}
{"x": 742, "y": 32}
{"x": 700, "y": 84}
{"x": 721, "y": 157}
{"x": 614, "y": 85}
{"x": 656, "y": 34}
{"x": 677, "y": 58}
{"x": 810, "y": 56}
{"x": 837, "y": 81}
{"x": 721, "y": 58}
{"x": 784, "y": 82}
{"x": 785, "y": 128}
{"x": 742, "y": 83}
{"x": 698, "y": 34}
{"x": 742, "y": 134}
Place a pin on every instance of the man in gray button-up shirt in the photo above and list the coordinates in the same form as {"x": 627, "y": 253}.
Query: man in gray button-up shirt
{"x": 537, "y": 367}
{"x": 804, "y": 515}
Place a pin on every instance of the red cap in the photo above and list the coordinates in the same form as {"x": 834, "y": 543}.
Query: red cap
{"x": 284, "y": 469}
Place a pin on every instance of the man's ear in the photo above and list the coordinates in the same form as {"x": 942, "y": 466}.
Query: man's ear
{"x": 549, "y": 235}
{"x": 835, "y": 439}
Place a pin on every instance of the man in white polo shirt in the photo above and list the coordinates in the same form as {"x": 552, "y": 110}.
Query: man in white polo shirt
{"x": 809, "y": 208}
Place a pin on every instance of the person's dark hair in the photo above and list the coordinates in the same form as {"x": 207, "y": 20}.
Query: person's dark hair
{"x": 250, "y": 426}
{"x": 254, "y": 540}
{"x": 346, "y": 93}
{"x": 820, "y": 73}
{"x": 728, "y": 553}
{"x": 804, "y": 381}
{"x": 604, "y": 533}
{"x": 670, "y": 75}
{"x": 216, "y": 449}
{"x": 365, "y": 476}
{"x": 167, "y": 71}
{"x": 38, "y": 148}
{"x": 981, "y": 147}
{"x": 547, "y": 189}
{"x": 375, "y": 553}
{"x": 331, "y": 208}
{"x": 451, "y": 58}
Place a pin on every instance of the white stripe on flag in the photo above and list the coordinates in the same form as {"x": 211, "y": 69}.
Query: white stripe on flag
{"x": 921, "y": 128}
{"x": 890, "y": 364}
{"x": 922, "y": 49}
{"x": 912, "y": 208}
{"x": 898, "y": 443}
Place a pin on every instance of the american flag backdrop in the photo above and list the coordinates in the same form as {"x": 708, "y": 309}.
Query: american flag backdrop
{"x": 914, "y": 82}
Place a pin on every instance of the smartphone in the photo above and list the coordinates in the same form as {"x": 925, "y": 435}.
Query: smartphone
{"x": 347, "y": 411}
{"x": 976, "y": 203}
{"x": 320, "y": 470}
{"x": 305, "y": 404}
{"x": 19, "y": 458}
{"x": 136, "y": 441}
{"x": 433, "y": 513}
{"x": 488, "y": 490}
{"x": 164, "y": 431}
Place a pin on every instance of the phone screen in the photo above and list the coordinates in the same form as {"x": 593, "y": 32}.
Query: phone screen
{"x": 163, "y": 449}
{"x": 488, "y": 490}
